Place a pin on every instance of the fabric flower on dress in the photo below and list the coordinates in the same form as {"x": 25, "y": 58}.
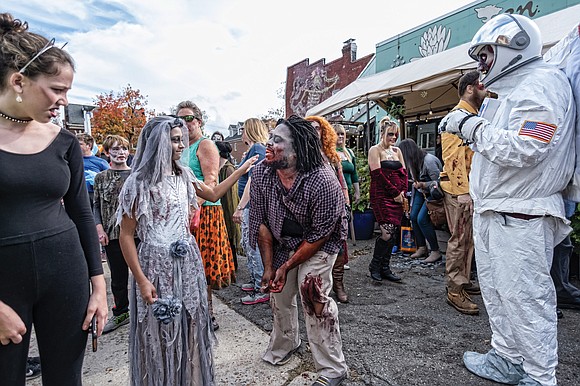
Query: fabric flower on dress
{"x": 179, "y": 249}
{"x": 166, "y": 309}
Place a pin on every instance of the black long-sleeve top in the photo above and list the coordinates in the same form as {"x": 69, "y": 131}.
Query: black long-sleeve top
{"x": 33, "y": 189}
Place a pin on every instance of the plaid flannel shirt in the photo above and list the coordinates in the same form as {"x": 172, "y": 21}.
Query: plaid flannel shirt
{"x": 315, "y": 201}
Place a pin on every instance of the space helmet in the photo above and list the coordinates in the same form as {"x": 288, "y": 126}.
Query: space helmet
{"x": 515, "y": 41}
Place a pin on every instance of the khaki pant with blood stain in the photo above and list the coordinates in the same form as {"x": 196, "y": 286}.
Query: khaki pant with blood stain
{"x": 313, "y": 280}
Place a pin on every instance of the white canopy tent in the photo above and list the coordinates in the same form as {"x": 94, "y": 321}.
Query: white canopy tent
{"x": 433, "y": 71}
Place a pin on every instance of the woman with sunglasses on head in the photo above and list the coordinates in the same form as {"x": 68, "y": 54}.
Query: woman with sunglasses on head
{"x": 49, "y": 249}
{"x": 202, "y": 157}
{"x": 327, "y": 137}
{"x": 171, "y": 334}
{"x": 424, "y": 168}
{"x": 388, "y": 201}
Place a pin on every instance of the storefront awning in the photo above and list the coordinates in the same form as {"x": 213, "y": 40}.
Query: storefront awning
{"x": 435, "y": 70}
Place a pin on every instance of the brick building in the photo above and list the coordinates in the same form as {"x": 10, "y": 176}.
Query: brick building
{"x": 309, "y": 84}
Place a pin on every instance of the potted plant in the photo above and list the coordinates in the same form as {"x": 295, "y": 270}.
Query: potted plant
{"x": 363, "y": 217}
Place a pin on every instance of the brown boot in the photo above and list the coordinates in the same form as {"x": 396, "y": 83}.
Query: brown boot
{"x": 420, "y": 252}
{"x": 337, "y": 276}
{"x": 462, "y": 302}
{"x": 472, "y": 289}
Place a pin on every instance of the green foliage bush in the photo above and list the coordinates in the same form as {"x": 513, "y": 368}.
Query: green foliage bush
{"x": 364, "y": 180}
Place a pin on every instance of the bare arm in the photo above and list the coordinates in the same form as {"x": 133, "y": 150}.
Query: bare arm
{"x": 129, "y": 249}
{"x": 214, "y": 193}
{"x": 266, "y": 246}
{"x": 243, "y": 202}
{"x": 374, "y": 158}
{"x": 209, "y": 161}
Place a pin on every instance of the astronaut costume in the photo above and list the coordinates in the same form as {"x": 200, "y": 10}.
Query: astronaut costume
{"x": 524, "y": 158}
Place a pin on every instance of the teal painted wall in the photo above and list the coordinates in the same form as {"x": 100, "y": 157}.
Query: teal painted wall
{"x": 455, "y": 29}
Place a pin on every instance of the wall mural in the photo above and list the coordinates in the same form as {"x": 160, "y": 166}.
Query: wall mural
{"x": 308, "y": 92}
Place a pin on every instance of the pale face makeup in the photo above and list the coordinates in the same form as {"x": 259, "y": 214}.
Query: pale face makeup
{"x": 118, "y": 154}
{"x": 177, "y": 144}
{"x": 486, "y": 57}
{"x": 279, "y": 148}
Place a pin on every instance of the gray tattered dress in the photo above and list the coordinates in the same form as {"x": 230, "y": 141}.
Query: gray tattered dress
{"x": 170, "y": 343}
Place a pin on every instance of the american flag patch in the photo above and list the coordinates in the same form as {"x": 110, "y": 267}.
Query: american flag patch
{"x": 538, "y": 130}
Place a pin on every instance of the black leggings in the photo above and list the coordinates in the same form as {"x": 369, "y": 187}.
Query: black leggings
{"x": 46, "y": 282}
{"x": 119, "y": 277}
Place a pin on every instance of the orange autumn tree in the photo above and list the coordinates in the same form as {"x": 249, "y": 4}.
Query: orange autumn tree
{"x": 124, "y": 114}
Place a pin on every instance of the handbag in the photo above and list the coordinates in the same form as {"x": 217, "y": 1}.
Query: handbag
{"x": 436, "y": 210}
{"x": 435, "y": 205}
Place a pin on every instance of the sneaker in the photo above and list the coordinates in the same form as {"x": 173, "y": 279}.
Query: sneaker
{"x": 255, "y": 298}
{"x": 325, "y": 381}
{"x": 115, "y": 322}
{"x": 346, "y": 267}
{"x": 462, "y": 303}
{"x": 248, "y": 287}
{"x": 33, "y": 367}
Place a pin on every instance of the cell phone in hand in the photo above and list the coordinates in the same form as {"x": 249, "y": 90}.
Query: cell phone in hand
{"x": 93, "y": 330}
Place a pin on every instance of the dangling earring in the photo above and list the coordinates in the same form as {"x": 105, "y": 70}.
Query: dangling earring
{"x": 18, "y": 98}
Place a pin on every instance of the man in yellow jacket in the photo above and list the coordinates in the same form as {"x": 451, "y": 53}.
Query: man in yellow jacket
{"x": 458, "y": 204}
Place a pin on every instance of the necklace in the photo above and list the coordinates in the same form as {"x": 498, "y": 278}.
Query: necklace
{"x": 16, "y": 120}
{"x": 388, "y": 151}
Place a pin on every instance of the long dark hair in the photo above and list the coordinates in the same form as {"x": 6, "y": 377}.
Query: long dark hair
{"x": 413, "y": 156}
{"x": 306, "y": 143}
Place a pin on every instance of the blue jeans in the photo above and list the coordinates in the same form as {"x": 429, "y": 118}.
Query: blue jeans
{"x": 421, "y": 222}
{"x": 255, "y": 265}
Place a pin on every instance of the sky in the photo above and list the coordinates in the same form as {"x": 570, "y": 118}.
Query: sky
{"x": 229, "y": 57}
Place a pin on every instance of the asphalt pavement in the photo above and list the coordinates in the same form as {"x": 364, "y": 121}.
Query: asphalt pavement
{"x": 393, "y": 334}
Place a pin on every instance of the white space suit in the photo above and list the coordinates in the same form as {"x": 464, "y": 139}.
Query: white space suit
{"x": 524, "y": 158}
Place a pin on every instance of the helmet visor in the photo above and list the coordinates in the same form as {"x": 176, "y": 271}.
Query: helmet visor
{"x": 502, "y": 30}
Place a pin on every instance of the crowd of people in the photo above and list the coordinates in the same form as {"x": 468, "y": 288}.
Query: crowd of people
{"x": 173, "y": 219}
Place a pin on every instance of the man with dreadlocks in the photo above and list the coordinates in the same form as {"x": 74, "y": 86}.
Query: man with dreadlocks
{"x": 298, "y": 221}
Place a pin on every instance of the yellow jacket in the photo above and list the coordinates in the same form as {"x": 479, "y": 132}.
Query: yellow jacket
{"x": 456, "y": 159}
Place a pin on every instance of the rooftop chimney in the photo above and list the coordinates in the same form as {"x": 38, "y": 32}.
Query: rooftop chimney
{"x": 349, "y": 49}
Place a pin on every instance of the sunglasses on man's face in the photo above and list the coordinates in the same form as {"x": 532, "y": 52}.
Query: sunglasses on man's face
{"x": 188, "y": 118}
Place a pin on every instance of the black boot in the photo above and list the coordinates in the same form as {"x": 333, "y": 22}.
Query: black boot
{"x": 376, "y": 263}
{"x": 386, "y": 272}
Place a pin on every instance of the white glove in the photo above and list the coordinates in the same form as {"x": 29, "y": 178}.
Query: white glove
{"x": 461, "y": 123}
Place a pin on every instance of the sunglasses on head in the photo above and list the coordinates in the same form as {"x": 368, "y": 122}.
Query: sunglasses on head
{"x": 188, "y": 118}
